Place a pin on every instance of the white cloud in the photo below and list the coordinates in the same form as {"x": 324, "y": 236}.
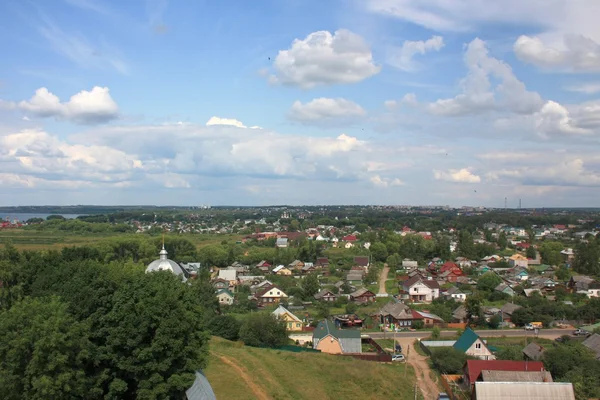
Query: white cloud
{"x": 477, "y": 92}
{"x": 93, "y": 107}
{"x": 567, "y": 172}
{"x": 402, "y": 58}
{"x": 325, "y": 59}
{"x": 559, "y": 16}
{"x": 216, "y": 121}
{"x": 325, "y": 110}
{"x": 587, "y": 88}
{"x": 463, "y": 175}
{"x": 79, "y": 49}
{"x": 385, "y": 182}
{"x": 555, "y": 119}
{"x": 577, "y": 53}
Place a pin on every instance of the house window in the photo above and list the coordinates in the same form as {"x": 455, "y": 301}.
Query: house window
{"x": 478, "y": 346}
{"x": 278, "y": 293}
{"x": 415, "y": 289}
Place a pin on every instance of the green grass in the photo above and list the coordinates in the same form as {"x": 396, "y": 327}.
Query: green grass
{"x": 286, "y": 375}
{"x": 391, "y": 286}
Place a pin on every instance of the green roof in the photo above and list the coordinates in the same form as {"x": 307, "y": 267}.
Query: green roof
{"x": 327, "y": 327}
{"x": 224, "y": 291}
{"x": 466, "y": 340}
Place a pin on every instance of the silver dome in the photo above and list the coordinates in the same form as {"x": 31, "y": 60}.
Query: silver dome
{"x": 164, "y": 264}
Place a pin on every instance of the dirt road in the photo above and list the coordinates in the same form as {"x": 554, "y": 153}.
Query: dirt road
{"x": 242, "y": 373}
{"x": 382, "y": 278}
{"x": 429, "y": 388}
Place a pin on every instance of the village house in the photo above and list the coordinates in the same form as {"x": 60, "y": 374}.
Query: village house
{"x": 593, "y": 343}
{"x": 296, "y": 265}
{"x": 270, "y": 295}
{"x": 584, "y": 285}
{"x": 362, "y": 296}
{"x": 292, "y": 323}
{"x": 472, "y": 345}
{"x": 473, "y": 368}
{"x": 456, "y": 294}
{"x": 533, "y": 352}
{"x": 418, "y": 289}
{"x": 361, "y": 261}
{"x": 505, "y": 288}
{"x": 518, "y": 260}
{"x": 264, "y": 266}
{"x": 229, "y": 275}
{"x": 429, "y": 319}
{"x": 397, "y": 314}
{"x": 220, "y": 284}
{"x": 322, "y": 262}
{"x": 507, "y": 311}
{"x": 281, "y": 270}
{"x": 225, "y": 297}
{"x": 329, "y": 339}
{"x": 325, "y": 295}
{"x": 308, "y": 268}
{"x": 523, "y": 390}
{"x": 409, "y": 264}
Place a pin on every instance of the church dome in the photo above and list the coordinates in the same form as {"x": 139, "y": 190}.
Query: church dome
{"x": 164, "y": 264}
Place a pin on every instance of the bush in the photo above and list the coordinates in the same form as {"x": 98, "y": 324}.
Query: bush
{"x": 224, "y": 326}
{"x": 495, "y": 321}
{"x": 351, "y": 308}
{"x": 418, "y": 324}
{"x": 263, "y": 330}
{"x": 435, "y": 334}
{"x": 448, "y": 360}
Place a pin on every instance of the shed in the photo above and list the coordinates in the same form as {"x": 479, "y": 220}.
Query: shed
{"x": 523, "y": 390}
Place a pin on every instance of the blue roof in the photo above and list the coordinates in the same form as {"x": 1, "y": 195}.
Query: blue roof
{"x": 466, "y": 340}
{"x": 201, "y": 389}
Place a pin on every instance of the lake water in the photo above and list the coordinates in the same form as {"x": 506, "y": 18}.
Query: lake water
{"x": 22, "y": 217}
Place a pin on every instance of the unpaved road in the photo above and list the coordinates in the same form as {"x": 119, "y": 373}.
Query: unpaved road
{"x": 242, "y": 373}
{"x": 429, "y": 388}
{"x": 382, "y": 278}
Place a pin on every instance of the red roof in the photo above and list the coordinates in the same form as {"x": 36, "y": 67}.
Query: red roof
{"x": 523, "y": 245}
{"x": 449, "y": 266}
{"x": 474, "y": 367}
{"x": 349, "y": 238}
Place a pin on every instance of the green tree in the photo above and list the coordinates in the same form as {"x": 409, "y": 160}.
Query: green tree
{"x": 587, "y": 256}
{"x": 44, "y": 351}
{"x": 263, "y": 330}
{"x": 465, "y": 246}
{"x": 394, "y": 261}
{"x": 351, "y": 308}
{"x": 488, "y": 281}
{"x": 213, "y": 255}
{"x": 224, "y": 326}
{"x": 448, "y": 360}
{"x": 310, "y": 286}
{"x": 435, "y": 333}
{"x": 502, "y": 241}
{"x": 151, "y": 342}
{"x": 473, "y": 306}
{"x": 550, "y": 253}
{"x": 378, "y": 251}
{"x": 531, "y": 253}
{"x": 514, "y": 353}
{"x": 494, "y": 321}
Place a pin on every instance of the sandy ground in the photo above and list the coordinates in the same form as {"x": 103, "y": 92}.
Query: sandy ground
{"x": 429, "y": 388}
{"x": 383, "y": 278}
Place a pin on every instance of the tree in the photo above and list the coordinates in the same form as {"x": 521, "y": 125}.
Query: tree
{"x": 435, "y": 333}
{"x": 155, "y": 351}
{"x": 263, "y": 330}
{"x": 371, "y": 276}
{"x": 465, "y": 246}
{"x": 587, "y": 256}
{"x": 310, "y": 286}
{"x": 378, "y": 251}
{"x": 213, "y": 255}
{"x": 473, "y": 306}
{"x": 494, "y": 321}
{"x": 514, "y": 353}
{"x": 394, "y": 261}
{"x": 488, "y": 281}
{"x": 531, "y": 253}
{"x": 224, "y": 326}
{"x": 550, "y": 253}
{"x": 502, "y": 241}
{"x": 448, "y": 360}
{"x": 351, "y": 308}
{"x": 44, "y": 351}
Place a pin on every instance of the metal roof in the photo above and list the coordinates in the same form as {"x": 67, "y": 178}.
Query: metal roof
{"x": 523, "y": 391}
{"x": 164, "y": 264}
{"x": 200, "y": 389}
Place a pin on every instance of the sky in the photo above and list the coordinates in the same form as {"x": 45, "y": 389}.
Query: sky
{"x": 300, "y": 102}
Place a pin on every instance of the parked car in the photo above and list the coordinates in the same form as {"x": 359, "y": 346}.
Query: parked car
{"x": 398, "y": 357}
{"x": 443, "y": 396}
{"x": 580, "y": 332}
{"x": 534, "y": 325}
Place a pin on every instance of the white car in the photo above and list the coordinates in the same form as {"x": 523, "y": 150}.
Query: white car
{"x": 398, "y": 357}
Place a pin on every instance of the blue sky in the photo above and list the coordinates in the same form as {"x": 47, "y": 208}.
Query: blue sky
{"x": 300, "y": 102}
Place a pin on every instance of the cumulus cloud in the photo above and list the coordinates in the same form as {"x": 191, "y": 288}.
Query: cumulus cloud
{"x": 323, "y": 58}
{"x": 402, "y": 58}
{"x": 385, "y": 182}
{"x": 555, "y": 119}
{"x": 325, "y": 110}
{"x": 463, "y": 175}
{"x": 478, "y": 95}
{"x": 227, "y": 122}
{"x": 576, "y": 53}
{"x": 567, "y": 172}
{"x": 86, "y": 107}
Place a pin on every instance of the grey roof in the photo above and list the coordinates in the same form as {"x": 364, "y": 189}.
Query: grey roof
{"x": 350, "y": 340}
{"x": 593, "y": 343}
{"x": 534, "y": 351}
{"x": 360, "y": 292}
{"x": 516, "y": 376}
{"x": 523, "y": 390}
{"x": 323, "y": 293}
{"x": 460, "y": 312}
{"x": 200, "y": 389}
{"x": 395, "y": 310}
{"x": 164, "y": 264}
{"x": 509, "y": 308}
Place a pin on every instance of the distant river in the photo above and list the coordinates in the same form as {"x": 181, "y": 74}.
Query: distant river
{"x": 22, "y": 217}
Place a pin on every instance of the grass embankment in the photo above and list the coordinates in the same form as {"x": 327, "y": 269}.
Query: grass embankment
{"x": 239, "y": 372}
{"x": 28, "y": 239}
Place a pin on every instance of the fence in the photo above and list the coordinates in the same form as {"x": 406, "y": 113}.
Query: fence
{"x": 379, "y": 357}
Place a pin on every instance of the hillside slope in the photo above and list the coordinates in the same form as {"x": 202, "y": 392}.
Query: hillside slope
{"x": 240, "y": 372}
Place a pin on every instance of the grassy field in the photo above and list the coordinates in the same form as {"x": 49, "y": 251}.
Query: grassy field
{"x": 238, "y": 372}
{"x": 24, "y": 239}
